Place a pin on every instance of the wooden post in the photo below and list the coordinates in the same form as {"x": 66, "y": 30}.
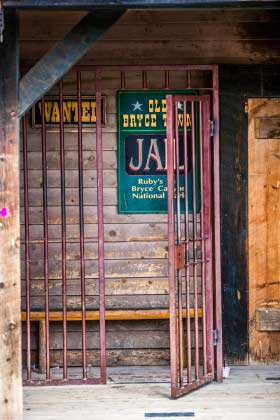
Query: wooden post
{"x": 10, "y": 314}
{"x": 42, "y": 346}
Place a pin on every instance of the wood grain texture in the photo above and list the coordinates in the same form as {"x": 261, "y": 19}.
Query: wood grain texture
{"x": 220, "y": 36}
{"x": 263, "y": 229}
{"x": 10, "y": 326}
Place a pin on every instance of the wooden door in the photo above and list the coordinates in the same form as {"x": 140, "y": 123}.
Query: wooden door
{"x": 264, "y": 229}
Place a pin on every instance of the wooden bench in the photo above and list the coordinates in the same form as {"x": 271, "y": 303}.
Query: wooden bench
{"x": 110, "y": 315}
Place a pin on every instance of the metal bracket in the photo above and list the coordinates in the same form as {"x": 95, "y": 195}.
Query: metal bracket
{"x": 215, "y": 337}
{"x": 1, "y": 21}
{"x": 212, "y": 128}
{"x": 180, "y": 256}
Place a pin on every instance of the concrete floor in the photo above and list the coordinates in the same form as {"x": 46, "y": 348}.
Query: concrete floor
{"x": 245, "y": 395}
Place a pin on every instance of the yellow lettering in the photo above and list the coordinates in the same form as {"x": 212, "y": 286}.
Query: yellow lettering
{"x": 125, "y": 120}
{"x": 85, "y": 112}
{"x": 140, "y": 118}
{"x": 93, "y": 111}
{"x": 153, "y": 120}
{"x": 132, "y": 121}
{"x": 55, "y": 113}
{"x": 67, "y": 111}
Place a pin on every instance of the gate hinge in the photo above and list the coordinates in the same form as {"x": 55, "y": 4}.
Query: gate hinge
{"x": 215, "y": 336}
{"x": 212, "y": 128}
{"x": 1, "y": 20}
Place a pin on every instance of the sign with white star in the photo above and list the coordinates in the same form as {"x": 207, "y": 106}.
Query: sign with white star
{"x": 142, "y": 165}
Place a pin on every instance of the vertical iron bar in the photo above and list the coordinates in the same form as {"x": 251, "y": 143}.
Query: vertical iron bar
{"x": 101, "y": 267}
{"x": 81, "y": 220}
{"x": 144, "y": 80}
{"x": 63, "y": 229}
{"x": 171, "y": 248}
{"x": 208, "y": 191}
{"x": 188, "y": 79}
{"x": 123, "y": 79}
{"x": 187, "y": 247}
{"x": 196, "y": 332}
{"x": 217, "y": 233}
{"x": 166, "y": 82}
{"x": 27, "y": 253}
{"x": 46, "y": 237}
{"x": 179, "y": 272}
{"x": 202, "y": 140}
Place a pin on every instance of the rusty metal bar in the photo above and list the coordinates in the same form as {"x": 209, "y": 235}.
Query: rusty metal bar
{"x": 46, "y": 237}
{"x": 217, "y": 227}
{"x": 208, "y": 237}
{"x": 81, "y": 226}
{"x": 178, "y": 241}
{"x": 195, "y": 262}
{"x": 171, "y": 248}
{"x": 63, "y": 228}
{"x": 144, "y": 80}
{"x": 26, "y": 249}
{"x": 101, "y": 266}
{"x": 123, "y": 84}
{"x": 187, "y": 243}
{"x": 166, "y": 79}
{"x": 202, "y": 132}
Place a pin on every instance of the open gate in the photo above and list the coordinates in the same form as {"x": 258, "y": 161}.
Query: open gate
{"x": 57, "y": 229}
{"x": 190, "y": 242}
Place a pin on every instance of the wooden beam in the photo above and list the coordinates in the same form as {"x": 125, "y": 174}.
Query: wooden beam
{"x": 114, "y": 315}
{"x": 10, "y": 313}
{"x": 89, "y": 4}
{"x": 59, "y": 60}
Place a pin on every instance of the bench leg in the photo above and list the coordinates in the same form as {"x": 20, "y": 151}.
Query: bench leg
{"x": 42, "y": 346}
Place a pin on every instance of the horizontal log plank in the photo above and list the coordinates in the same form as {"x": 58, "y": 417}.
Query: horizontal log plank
{"x": 168, "y": 31}
{"x": 146, "y": 232}
{"x": 124, "y": 315}
{"x": 71, "y": 160}
{"x": 71, "y": 179}
{"x": 169, "y": 52}
{"x": 139, "y": 17}
{"x": 113, "y": 251}
{"x": 117, "y": 286}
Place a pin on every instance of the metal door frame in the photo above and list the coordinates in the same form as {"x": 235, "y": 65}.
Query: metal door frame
{"x": 179, "y": 260}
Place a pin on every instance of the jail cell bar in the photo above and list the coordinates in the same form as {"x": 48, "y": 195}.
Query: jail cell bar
{"x": 45, "y": 370}
{"x": 208, "y": 363}
{"x": 188, "y": 373}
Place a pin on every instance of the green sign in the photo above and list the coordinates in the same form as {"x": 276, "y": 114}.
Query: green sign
{"x": 142, "y": 166}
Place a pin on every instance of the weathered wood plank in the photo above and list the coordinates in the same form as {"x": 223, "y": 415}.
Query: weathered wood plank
{"x": 263, "y": 230}
{"x": 169, "y": 31}
{"x": 111, "y": 216}
{"x": 62, "y": 56}
{"x": 113, "y": 250}
{"x": 170, "y": 52}
{"x": 71, "y": 160}
{"x": 146, "y": 232}
{"x": 10, "y": 326}
{"x": 116, "y": 315}
{"x": 268, "y": 319}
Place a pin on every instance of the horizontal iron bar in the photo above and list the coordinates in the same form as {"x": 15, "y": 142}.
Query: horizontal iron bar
{"x": 89, "y": 4}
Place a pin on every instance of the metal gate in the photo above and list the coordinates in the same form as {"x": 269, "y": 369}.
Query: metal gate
{"x": 53, "y": 234}
{"x": 190, "y": 240}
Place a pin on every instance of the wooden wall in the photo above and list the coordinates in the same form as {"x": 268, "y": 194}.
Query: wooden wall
{"x": 167, "y": 37}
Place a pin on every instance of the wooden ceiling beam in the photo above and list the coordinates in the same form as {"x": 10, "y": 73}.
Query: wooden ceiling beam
{"x": 59, "y": 60}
